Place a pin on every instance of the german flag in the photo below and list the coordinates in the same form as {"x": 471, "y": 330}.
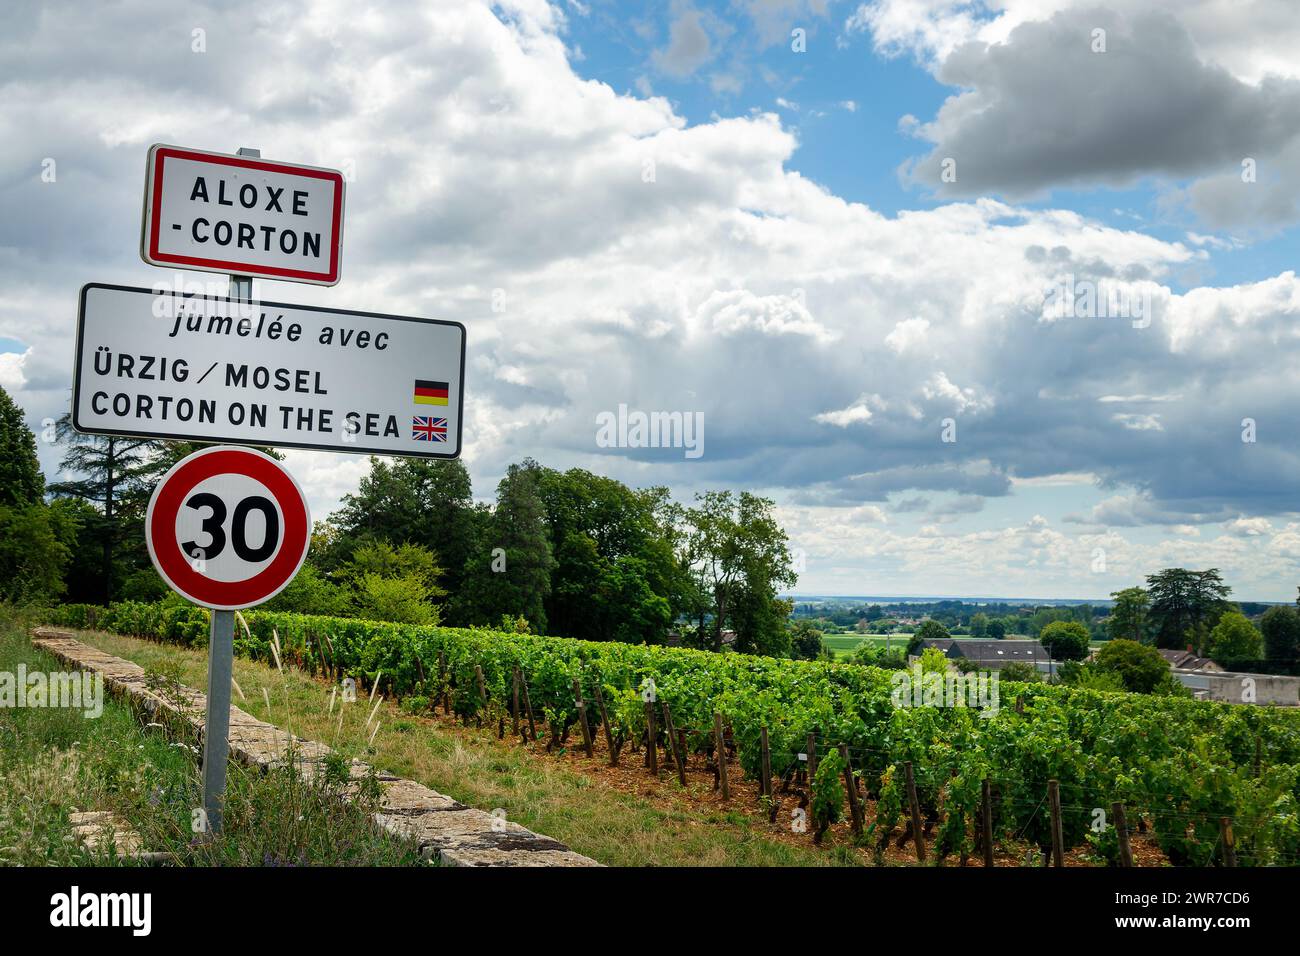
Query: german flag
{"x": 430, "y": 393}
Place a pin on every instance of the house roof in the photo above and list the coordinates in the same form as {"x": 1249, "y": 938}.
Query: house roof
{"x": 990, "y": 651}
{"x": 1187, "y": 661}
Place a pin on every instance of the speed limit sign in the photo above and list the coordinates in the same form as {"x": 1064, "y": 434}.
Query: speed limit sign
{"x": 228, "y": 527}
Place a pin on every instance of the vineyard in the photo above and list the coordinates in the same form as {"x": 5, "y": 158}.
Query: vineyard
{"x": 1208, "y": 782}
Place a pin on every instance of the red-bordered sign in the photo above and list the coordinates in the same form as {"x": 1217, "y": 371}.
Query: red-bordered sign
{"x": 291, "y": 228}
{"x": 204, "y": 539}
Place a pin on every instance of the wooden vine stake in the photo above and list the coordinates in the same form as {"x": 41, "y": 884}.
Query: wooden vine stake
{"x": 679, "y": 758}
{"x": 528, "y": 707}
{"x": 1054, "y": 808}
{"x": 604, "y": 722}
{"x": 1229, "y": 842}
{"x": 720, "y": 749}
{"x": 324, "y": 664}
{"x": 1121, "y": 832}
{"x": 811, "y": 746}
{"x": 444, "y": 681}
{"x": 582, "y": 718}
{"x": 482, "y": 695}
{"x": 514, "y": 700}
{"x": 914, "y": 808}
{"x": 986, "y": 821}
{"x": 851, "y": 787}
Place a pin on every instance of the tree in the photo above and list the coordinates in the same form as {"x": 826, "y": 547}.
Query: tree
{"x": 805, "y": 641}
{"x": 511, "y": 571}
{"x": 21, "y": 482}
{"x": 116, "y": 482}
{"x": 1184, "y": 601}
{"x": 416, "y": 500}
{"x": 34, "y": 549}
{"x": 394, "y": 584}
{"x": 1281, "y": 630}
{"x": 997, "y": 629}
{"x": 739, "y": 555}
{"x": 1019, "y": 671}
{"x": 1065, "y": 640}
{"x": 616, "y": 575}
{"x": 1139, "y": 666}
{"x": 637, "y": 613}
{"x": 1044, "y": 616}
{"x": 311, "y": 592}
{"x": 1089, "y": 677}
{"x": 82, "y": 574}
{"x": 1128, "y": 618}
{"x": 36, "y": 540}
{"x": 979, "y": 625}
{"x": 929, "y": 630}
{"x": 1235, "y": 641}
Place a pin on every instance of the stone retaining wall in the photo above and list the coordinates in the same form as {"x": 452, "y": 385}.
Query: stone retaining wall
{"x": 456, "y": 834}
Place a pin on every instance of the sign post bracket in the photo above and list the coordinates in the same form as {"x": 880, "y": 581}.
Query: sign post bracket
{"x": 241, "y": 287}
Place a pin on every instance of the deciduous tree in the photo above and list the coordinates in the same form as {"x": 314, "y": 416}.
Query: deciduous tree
{"x": 1065, "y": 640}
{"x": 1139, "y": 666}
{"x": 1281, "y": 629}
{"x": 1128, "y": 618}
{"x": 1235, "y": 642}
{"x": 738, "y": 553}
{"x": 927, "y": 631}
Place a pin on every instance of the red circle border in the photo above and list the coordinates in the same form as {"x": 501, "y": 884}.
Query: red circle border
{"x": 174, "y": 565}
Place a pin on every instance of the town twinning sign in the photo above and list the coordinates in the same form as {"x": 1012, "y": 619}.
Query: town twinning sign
{"x": 202, "y": 368}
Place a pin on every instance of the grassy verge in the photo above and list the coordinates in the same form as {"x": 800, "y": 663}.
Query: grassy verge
{"x": 55, "y": 761}
{"x": 619, "y": 827}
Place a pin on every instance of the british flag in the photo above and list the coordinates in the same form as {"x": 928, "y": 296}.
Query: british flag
{"x": 427, "y": 428}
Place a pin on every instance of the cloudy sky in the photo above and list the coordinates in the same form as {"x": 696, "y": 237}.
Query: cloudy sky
{"x": 859, "y": 239}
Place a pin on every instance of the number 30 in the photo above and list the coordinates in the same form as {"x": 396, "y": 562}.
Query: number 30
{"x": 214, "y": 527}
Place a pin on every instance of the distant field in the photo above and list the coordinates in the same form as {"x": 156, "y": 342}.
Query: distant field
{"x": 843, "y": 645}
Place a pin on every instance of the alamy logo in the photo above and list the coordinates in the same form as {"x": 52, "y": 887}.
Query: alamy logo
{"x": 934, "y": 689}
{"x": 77, "y": 690}
{"x": 103, "y": 909}
{"x": 637, "y": 429}
{"x": 1088, "y": 299}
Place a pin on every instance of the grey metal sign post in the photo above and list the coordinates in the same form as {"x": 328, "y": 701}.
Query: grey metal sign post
{"x": 221, "y": 658}
{"x": 216, "y": 727}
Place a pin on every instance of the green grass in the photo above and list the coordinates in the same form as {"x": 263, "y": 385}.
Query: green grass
{"x": 55, "y": 761}
{"x": 546, "y": 793}
{"x": 843, "y": 645}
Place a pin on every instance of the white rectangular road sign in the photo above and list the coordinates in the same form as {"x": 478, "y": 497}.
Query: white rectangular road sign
{"x": 243, "y": 215}
{"x": 212, "y": 369}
